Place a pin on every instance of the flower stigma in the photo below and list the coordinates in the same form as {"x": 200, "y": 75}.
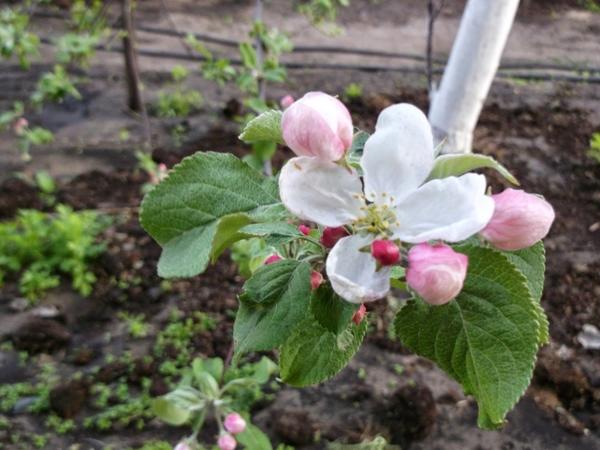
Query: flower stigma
{"x": 377, "y": 219}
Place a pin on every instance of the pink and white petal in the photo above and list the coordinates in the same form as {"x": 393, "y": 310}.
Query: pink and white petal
{"x": 353, "y": 274}
{"x": 398, "y": 157}
{"x": 451, "y": 209}
{"x": 320, "y": 191}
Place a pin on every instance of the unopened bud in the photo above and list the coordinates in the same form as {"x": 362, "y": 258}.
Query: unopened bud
{"x": 359, "y": 315}
{"x": 226, "y": 442}
{"x": 234, "y": 423}
{"x": 385, "y": 252}
{"x": 331, "y": 235}
{"x": 272, "y": 259}
{"x": 315, "y": 279}
{"x": 304, "y": 229}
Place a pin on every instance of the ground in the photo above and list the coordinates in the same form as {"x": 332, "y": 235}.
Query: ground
{"x": 540, "y": 131}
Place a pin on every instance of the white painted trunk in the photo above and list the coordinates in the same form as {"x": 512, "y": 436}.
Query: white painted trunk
{"x": 473, "y": 62}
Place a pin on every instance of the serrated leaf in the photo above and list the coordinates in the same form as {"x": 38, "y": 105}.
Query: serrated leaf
{"x": 184, "y": 212}
{"x": 455, "y": 165}
{"x": 532, "y": 263}
{"x": 170, "y": 413}
{"x": 330, "y": 310}
{"x": 265, "y": 127}
{"x": 273, "y": 302}
{"x": 313, "y": 354}
{"x": 486, "y": 338}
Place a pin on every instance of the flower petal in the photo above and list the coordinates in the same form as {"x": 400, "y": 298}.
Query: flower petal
{"x": 353, "y": 274}
{"x": 320, "y": 191}
{"x": 451, "y": 209}
{"x": 398, "y": 157}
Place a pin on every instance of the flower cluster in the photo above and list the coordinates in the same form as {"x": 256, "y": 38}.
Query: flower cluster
{"x": 388, "y": 212}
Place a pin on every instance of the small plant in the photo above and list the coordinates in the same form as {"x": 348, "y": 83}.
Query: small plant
{"x": 54, "y": 86}
{"x": 180, "y": 102}
{"x": 323, "y": 13}
{"x": 594, "y": 151}
{"x": 137, "y": 327}
{"x": 15, "y": 37}
{"x": 41, "y": 246}
{"x": 156, "y": 172}
{"x": 353, "y": 91}
{"x": 74, "y": 48}
{"x": 208, "y": 390}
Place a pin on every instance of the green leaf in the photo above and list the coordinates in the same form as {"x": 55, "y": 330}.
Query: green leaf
{"x": 331, "y": 311}
{"x": 356, "y": 149}
{"x": 213, "y": 366}
{"x": 274, "y": 301}
{"x": 398, "y": 274}
{"x": 266, "y": 127}
{"x": 313, "y": 354}
{"x": 532, "y": 263}
{"x": 170, "y": 413}
{"x": 252, "y": 438}
{"x": 282, "y": 230}
{"x": 198, "y": 208}
{"x": 486, "y": 339}
{"x": 455, "y": 165}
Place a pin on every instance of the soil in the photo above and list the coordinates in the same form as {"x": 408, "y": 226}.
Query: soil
{"x": 539, "y": 131}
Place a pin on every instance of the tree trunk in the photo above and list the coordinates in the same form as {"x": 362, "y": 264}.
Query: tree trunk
{"x": 474, "y": 59}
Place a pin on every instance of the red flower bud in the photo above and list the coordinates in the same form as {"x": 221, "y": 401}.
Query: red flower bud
{"x": 315, "y": 279}
{"x": 272, "y": 259}
{"x": 385, "y": 252}
{"x": 304, "y": 229}
{"x": 331, "y": 235}
{"x": 359, "y": 315}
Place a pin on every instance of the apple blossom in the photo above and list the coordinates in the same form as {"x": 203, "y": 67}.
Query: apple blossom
{"x": 304, "y": 229}
{"x": 182, "y": 446}
{"x": 272, "y": 259}
{"x": 331, "y": 235}
{"x": 396, "y": 202}
{"x": 286, "y": 101}
{"x": 436, "y": 272}
{"x": 226, "y": 442}
{"x": 359, "y": 315}
{"x": 316, "y": 279}
{"x": 317, "y": 125}
{"x": 385, "y": 252}
{"x": 519, "y": 221}
{"x": 234, "y": 423}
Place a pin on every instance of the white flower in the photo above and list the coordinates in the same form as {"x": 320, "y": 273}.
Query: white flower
{"x": 396, "y": 161}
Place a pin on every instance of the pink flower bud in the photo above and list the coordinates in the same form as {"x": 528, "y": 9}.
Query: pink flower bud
{"x": 315, "y": 279}
{"x": 162, "y": 171}
{"x": 317, "y": 125}
{"x": 272, "y": 259}
{"x": 331, "y": 235}
{"x": 286, "y": 101}
{"x": 182, "y": 446}
{"x": 359, "y": 315}
{"x": 234, "y": 423}
{"x": 436, "y": 272}
{"x": 304, "y": 229}
{"x": 226, "y": 442}
{"x": 385, "y": 252}
{"x": 19, "y": 126}
{"x": 519, "y": 221}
